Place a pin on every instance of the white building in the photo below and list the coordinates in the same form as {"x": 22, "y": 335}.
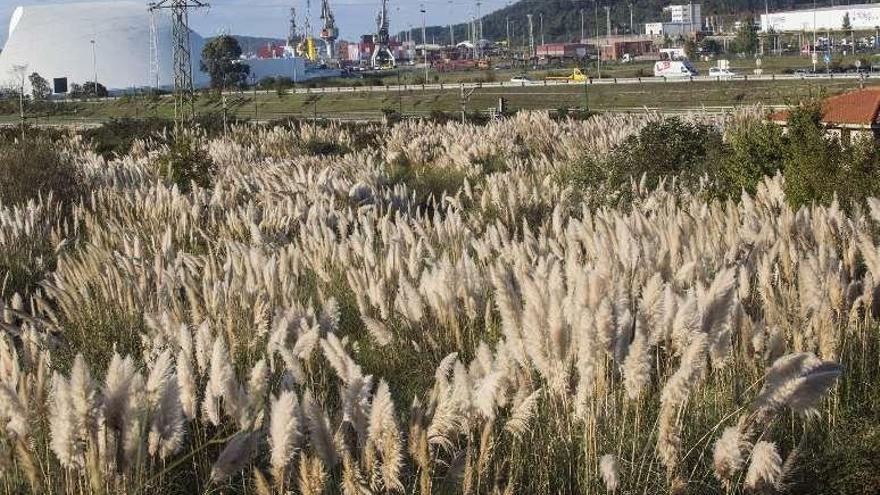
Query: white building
{"x": 685, "y": 14}
{"x": 73, "y": 42}
{"x": 861, "y": 17}
{"x": 684, "y": 20}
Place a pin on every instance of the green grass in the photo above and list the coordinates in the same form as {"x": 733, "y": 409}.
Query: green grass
{"x": 263, "y": 106}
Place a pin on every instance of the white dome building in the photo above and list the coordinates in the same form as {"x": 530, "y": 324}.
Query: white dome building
{"x": 74, "y": 41}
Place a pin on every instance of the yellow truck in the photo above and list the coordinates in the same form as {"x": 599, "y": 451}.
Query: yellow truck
{"x": 576, "y": 76}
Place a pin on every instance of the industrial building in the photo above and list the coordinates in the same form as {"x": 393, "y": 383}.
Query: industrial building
{"x": 632, "y": 49}
{"x": 564, "y": 50}
{"x": 861, "y": 17}
{"x": 76, "y": 43}
{"x": 684, "y": 20}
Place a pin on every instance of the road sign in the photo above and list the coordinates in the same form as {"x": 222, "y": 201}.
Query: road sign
{"x": 827, "y": 58}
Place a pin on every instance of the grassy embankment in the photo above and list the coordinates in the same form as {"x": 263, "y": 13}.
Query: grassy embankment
{"x": 271, "y": 105}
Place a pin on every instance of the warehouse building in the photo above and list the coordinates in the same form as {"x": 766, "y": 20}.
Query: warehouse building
{"x": 74, "y": 43}
{"x": 861, "y": 17}
{"x": 684, "y": 20}
{"x": 564, "y": 50}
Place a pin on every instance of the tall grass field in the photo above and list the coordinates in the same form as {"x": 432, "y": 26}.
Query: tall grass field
{"x": 437, "y": 308}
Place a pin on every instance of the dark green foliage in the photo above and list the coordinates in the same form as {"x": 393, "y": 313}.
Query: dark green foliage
{"x": 220, "y": 60}
{"x": 317, "y": 147}
{"x": 562, "y": 18}
{"x": 754, "y": 149}
{"x": 185, "y": 162}
{"x": 819, "y": 167}
{"x": 117, "y": 135}
{"x": 746, "y": 40}
{"x": 88, "y": 90}
{"x": 666, "y": 149}
{"x": 39, "y": 87}
{"x": 35, "y": 168}
{"x": 427, "y": 182}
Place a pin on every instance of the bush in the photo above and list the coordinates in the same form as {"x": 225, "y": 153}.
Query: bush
{"x": 117, "y": 135}
{"x": 670, "y": 148}
{"x": 819, "y": 168}
{"x": 35, "y": 167}
{"x": 185, "y": 162}
{"x": 318, "y": 147}
{"x": 754, "y": 150}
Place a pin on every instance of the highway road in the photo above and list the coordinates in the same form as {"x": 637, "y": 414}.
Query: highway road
{"x": 545, "y": 83}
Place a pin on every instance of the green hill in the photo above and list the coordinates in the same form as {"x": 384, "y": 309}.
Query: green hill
{"x": 562, "y": 18}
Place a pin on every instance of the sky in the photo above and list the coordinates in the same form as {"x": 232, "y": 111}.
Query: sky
{"x": 270, "y": 17}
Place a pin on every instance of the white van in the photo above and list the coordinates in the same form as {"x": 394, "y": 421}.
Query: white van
{"x": 674, "y": 68}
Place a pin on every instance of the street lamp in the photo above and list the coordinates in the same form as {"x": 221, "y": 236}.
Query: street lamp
{"x": 424, "y": 40}
{"x": 95, "y": 65}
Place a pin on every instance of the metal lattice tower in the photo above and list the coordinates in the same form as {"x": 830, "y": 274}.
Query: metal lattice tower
{"x": 184, "y": 107}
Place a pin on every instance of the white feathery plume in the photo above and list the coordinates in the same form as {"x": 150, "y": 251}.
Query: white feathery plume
{"x": 522, "y": 415}
{"x": 356, "y": 405}
{"x": 345, "y": 367}
{"x": 186, "y": 382}
{"x": 62, "y": 425}
{"x": 486, "y": 392}
{"x": 765, "y": 468}
{"x": 258, "y": 382}
{"x": 384, "y": 437}
{"x": 163, "y": 399}
{"x": 204, "y": 344}
{"x": 330, "y": 313}
{"x": 13, "y": 413}
{"x": 284, "y": 432}
{"x": 222, "y": 384}
{"x": 799, "y": 381}
{"x": 83, "y": 397}
{"x": 637, "y": 365}
{"x": 318, "y": 425}
{"x": 378, "y": 331}
{"x": 609, "y": 471}
{"x": 727, "y": 456}
{"x": 305, "y": 344}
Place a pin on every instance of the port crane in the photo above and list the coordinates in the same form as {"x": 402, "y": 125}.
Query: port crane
{"x": 382, "y": 58}
{"x": 329, "y": 33}
{"x": 306, "y": 47}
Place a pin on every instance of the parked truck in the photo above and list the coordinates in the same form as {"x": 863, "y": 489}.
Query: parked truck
{"x": 576, "y": 76}
{"x": 674, "y": 68}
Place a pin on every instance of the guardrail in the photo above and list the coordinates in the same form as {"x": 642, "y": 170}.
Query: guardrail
{"x": 589, "y": 82}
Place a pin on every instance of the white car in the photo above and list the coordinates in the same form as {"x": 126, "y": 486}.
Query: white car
{"x": 719, "y": 72}
{"x": 521, "y": 80}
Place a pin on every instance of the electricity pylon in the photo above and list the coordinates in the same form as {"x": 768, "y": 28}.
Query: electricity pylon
{"x": 184, "y": 107}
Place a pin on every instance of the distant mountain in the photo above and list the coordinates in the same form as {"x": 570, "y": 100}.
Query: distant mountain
{"x": 562, "y": 18}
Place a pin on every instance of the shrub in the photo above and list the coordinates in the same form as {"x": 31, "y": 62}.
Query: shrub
{"x": 36, "y": 168}
{"x": 185, "y": 162}
{"x": 117, "y": 135}
{"x": 819, "y": 168}
{"x": 670, "y": 148}
{"x": 754, "y": 150}
{"x": 318, "y": 147}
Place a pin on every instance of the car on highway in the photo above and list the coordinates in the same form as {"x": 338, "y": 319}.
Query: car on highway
{"x": 721, "y": 73}
{"x": 521, "y": 79}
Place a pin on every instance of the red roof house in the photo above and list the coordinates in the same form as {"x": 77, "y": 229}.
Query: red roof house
{"x": 856, "y": 112}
